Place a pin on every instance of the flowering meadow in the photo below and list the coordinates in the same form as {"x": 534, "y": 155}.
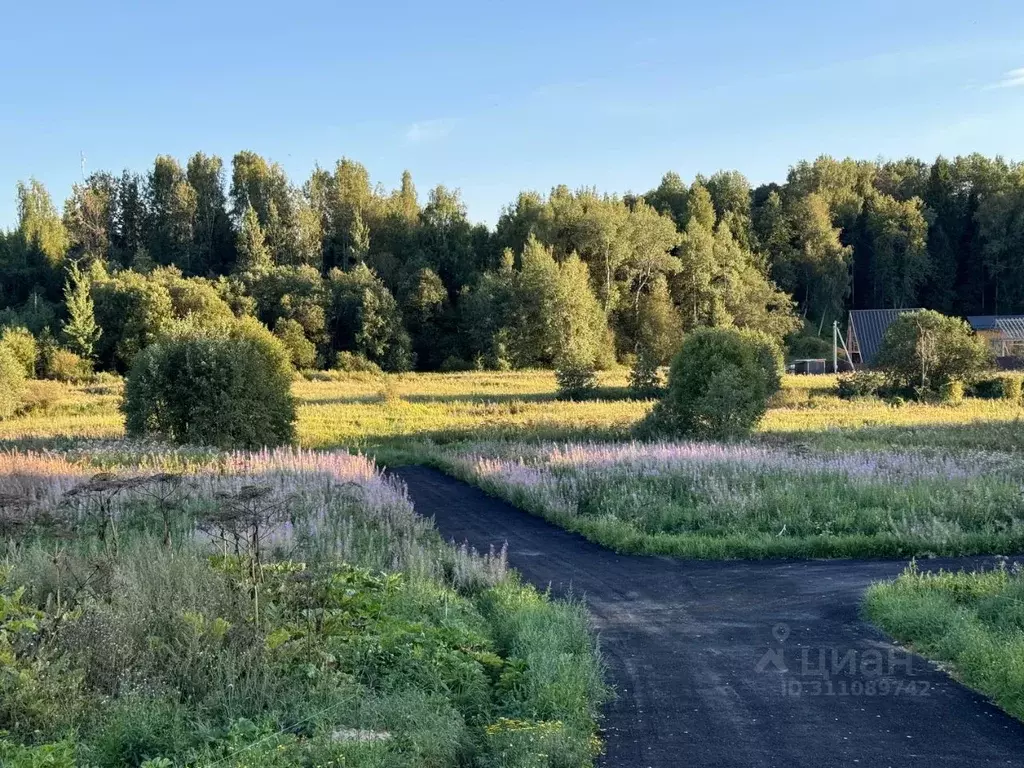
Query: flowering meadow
{"x": 168, "y": 606}
{"x": 820, "y": 477}
{"x": 760, "y": 499}
{"x": 174, "y": 606}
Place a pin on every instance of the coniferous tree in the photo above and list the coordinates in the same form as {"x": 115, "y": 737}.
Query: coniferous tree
{"x": 80, "y": 330}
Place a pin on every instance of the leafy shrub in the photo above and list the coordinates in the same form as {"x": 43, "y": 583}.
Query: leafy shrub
{"x": 23, "y": 344}
{"x": 1012, "y": 388}
{"x": 1006, "y": 386}
{"x": 455, "y": 364}
{"x": 230, "y": 389}
{"x": 350, "y": 362}
{"x": 952, "y": 392}
{"x": 575, "y": 381}
{"x": 41, "y": 396}
{"x": 12, "y": 382}
{"x": 64, "y": 365}
{"x": 138, "y": 727}
{"x": 791, "y": 398}
{"x": 719, "y": 384}
{"x": 301, "y": 351}
{"x": 988, "y": 388}
{"x": 924, "y": 350}
{"x": 56, "y": 755}
{"x": 644, "y": 379}
{"x": 809, "y": 345}
{"x": 861, "y": 384}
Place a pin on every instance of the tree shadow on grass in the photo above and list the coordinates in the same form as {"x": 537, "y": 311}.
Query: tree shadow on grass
{"x": 1000, "y": 436}
{"x": 608, "y": 394}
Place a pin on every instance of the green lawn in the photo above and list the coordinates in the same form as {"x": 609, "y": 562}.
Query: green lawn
{"x": 972, "y": 622}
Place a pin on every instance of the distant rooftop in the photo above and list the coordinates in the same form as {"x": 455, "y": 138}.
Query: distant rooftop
{"x": 1010, "y": 328}
{"x": 867, "y": 327}
{"x": 988, "y": 322}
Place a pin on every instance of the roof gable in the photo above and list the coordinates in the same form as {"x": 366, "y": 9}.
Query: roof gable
{"x": 869, "y": 326}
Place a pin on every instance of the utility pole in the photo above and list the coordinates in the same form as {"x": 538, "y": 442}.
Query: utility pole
{"x": 835, "y": 346}
{"x": 82, "y": 155}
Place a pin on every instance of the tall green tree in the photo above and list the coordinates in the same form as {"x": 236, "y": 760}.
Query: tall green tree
{"x": 694, "y": 284}
{"x": 365, "y": 318}
{"x": 172, "y": 205}
{"x": 579, "y": 328}
{"x": 700, "y": 208}
{"x": 670, "y": 198}
{"x": 531, "y": 338}
{"x": 899, "y": 244}
{"x": 131, "y": 220}
{"x": 821, "y": 261}
{"x": 292, "y": 228}
{"x": 212, "y": 235}
{"x": 89, "y": 217}
{"x": 80, "y": 330}
{"x": 731, "y": 196}
{"x": 446, "y": 238}
{"x": 425, "y": 307}
{"x": 39, "y": 246}
{"x": 253, "y": 253}
{"x": 651, "y": 240}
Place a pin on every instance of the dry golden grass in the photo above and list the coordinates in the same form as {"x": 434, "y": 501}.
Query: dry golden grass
{"x": 368, "y": 412}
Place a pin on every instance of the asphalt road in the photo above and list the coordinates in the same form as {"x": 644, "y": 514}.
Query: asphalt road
{"x": 739, "y": 663}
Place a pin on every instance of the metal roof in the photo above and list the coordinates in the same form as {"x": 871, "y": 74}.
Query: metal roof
{"x": 869, "y": 326}
{"x": 1010, "y": 327}
{"x": 988, "y": 322}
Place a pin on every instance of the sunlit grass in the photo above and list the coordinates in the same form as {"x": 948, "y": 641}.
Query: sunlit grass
{"x": 366, "y": 413}
{"x": 389, "y": 413}
{"x": 394, "y": 412}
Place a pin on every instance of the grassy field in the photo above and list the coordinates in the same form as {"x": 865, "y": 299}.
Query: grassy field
{"x": 396, "y": 412}
{"x": 972, "y": 622}
{"x": 823, "y": 477}
{"x": 757, "y": 500}
{"x": 372, "y": 413}
{"x": 418, "y": 654}
{"x": 362, "y": 412}
{"x": 276, "y": 609}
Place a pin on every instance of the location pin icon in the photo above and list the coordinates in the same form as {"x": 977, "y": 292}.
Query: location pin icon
{"x": 780, "y": 632}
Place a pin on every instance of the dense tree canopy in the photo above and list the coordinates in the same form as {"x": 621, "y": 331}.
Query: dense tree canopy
{"x": 341, "y": 264}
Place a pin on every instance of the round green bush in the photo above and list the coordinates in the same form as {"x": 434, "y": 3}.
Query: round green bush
{"x": 861, "y": 384}
{"x": 24, "y": 346}
{"x": 12, "y": 382}
{"x": 719, "y": 385}
{"x": 1012, "y": 388}
{"x": 227, "y": 389}
{"x": 301, "y": 350}
{"x": 350, "y": 362}
{"x": 923, "y": 350}
{"x": 952, "y": 392}
{"x": 64, "y": 365}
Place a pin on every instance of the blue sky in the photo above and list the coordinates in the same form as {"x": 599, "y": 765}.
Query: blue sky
{"x": 498, "y": 97}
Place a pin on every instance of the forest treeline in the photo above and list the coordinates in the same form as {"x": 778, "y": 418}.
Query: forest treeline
{"x": 572, "y": 278}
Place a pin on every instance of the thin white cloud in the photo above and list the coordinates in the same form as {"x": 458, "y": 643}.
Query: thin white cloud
{"x": 429, "y": 130}
{"x": 1012, "y": 79}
